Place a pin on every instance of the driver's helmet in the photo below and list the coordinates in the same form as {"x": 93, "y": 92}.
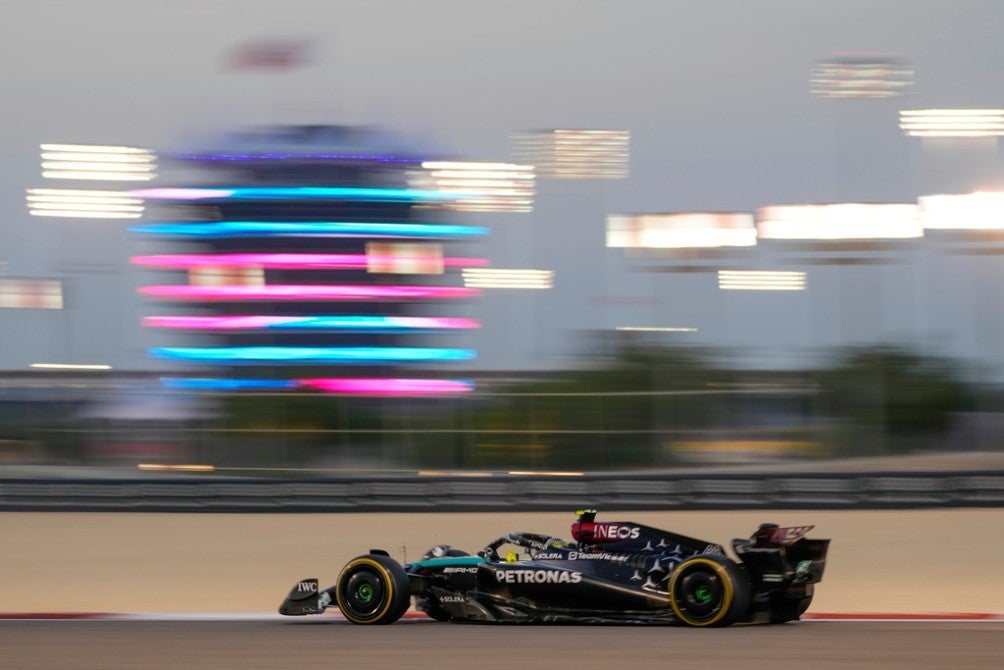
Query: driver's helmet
{"x": 511, "y": 557}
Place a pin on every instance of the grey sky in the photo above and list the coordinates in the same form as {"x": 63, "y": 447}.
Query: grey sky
{"x": 715, "y": 93}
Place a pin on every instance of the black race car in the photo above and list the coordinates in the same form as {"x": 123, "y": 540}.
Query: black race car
{"x": 613, "y": 572}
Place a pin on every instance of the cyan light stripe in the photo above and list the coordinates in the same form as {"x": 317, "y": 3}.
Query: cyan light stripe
{"x": 223, "y": 229}
{"x": 311, "y": 354}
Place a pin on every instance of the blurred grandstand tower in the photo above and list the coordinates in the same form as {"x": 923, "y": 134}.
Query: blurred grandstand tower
{"x": 308, "y": 261}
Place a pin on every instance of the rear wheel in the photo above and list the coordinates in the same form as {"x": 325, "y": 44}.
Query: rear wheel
{"x": 373, "y": 589}
{"x": 709, "y": 590}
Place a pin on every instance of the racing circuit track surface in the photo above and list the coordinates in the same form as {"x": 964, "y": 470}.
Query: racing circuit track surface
{"x": 425, "y": 645}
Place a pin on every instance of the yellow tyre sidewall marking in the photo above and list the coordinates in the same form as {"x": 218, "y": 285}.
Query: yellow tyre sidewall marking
{"x": 722, "y": 575}
{"x": 388, "y": 589}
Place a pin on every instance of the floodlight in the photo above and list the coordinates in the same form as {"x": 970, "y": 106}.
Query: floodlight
{"x": 511, "y": 279}
{"x": 680, "y": 230}
{"x": 78, "y": 203}
{"x": 575, "y": 154}
{"x": 761, "y": 280}
{"x": 484, "y": 187}
{"x": 970, "y": 211}
{"x": 839, "y": 221}
{"x": 861, "y": 76}
{"x": 106, "y": 163}
{"x": 952, "y": 122}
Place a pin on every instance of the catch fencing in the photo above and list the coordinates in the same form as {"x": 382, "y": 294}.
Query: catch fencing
{"x": 505, "y": 492}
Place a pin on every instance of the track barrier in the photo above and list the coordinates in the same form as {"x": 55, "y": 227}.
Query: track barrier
{"x": 609, "y": 491}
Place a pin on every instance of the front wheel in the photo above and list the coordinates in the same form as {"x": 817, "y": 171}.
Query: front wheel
{"x": 373, "y": 589}
{"x": 709, "y": 590}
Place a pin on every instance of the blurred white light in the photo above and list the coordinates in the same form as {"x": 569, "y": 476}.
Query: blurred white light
{"x": 680, "y": 230}
{"x": 71, "y": 366}
{"x": 107, "y": 163}
{"x": 761, "y": 280}
{"x": 102, "y": 176}
{"x": 656, "y": 329}
{"x": 17, "y": 293}
{"x": 404, "y": 258}
{"x": 226, "y": 275}
{"x": 95, "y": 148}
{"x": 840, "y": 221}
{"x": 971, "y": 211}
{"x": 575, "y": 154}
{"x": 481, "y": 187}
{"x": 952, "y": 122}
{"x": 861, "y": 76}
{"x": 499, "y": 278}
{"x": 87, "y": 157}
{"x": 76, "y": 203}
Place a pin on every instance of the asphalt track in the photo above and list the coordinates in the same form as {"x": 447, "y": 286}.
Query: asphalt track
{"x": 424, "y": 645}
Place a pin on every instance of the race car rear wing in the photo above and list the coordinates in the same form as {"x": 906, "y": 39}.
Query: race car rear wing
{"x": 779, "y": 554}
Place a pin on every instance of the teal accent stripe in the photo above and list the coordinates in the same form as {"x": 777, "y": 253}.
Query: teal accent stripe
{"x": 448, "y": 560}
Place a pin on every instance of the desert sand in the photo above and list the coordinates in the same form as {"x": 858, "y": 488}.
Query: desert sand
{"x": 909, "y": 561}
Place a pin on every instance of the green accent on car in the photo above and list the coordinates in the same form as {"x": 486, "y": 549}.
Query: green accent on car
{"x": 703, "y": 594}
{"x": 803, "y": 567}
{"x": 365, "y": 591}
{"x": 447, "y": 561}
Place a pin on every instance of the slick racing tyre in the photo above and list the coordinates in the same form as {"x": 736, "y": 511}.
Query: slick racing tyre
{"x": 709, "y": 590}
{"x": 373, "y": 589}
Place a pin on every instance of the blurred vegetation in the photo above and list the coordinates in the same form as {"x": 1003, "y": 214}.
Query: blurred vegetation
{"x": 635, "y": 408}
{"x": 627, "y": 410}
{"x": 892, "y": 400}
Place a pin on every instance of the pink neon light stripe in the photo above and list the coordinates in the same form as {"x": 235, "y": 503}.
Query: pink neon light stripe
{"x": 215, "y": 322}
{"x": 260, "y": 322}
{"x": 309, "y": 292}
{"x": 290, "y": 261}
{"x": 388, "y": 386}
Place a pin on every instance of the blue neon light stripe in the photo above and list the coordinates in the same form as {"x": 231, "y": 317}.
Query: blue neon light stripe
{"x": 380, "y": 323}
{"x": 220, "y": 229}
{"x": 193, "y": 384}
{"x": 311, "y": 354}
{"x": 277, "y": 155}
{"x": 337, "y": 193}
{"x": 299, "y": 193}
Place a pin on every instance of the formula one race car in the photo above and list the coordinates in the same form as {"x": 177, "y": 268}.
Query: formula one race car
{"x": 613, "y": 572}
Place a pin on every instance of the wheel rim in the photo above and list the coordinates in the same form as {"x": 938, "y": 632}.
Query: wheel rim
{"x": 364, "y": 592}
{"x": 700, "y": 593}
